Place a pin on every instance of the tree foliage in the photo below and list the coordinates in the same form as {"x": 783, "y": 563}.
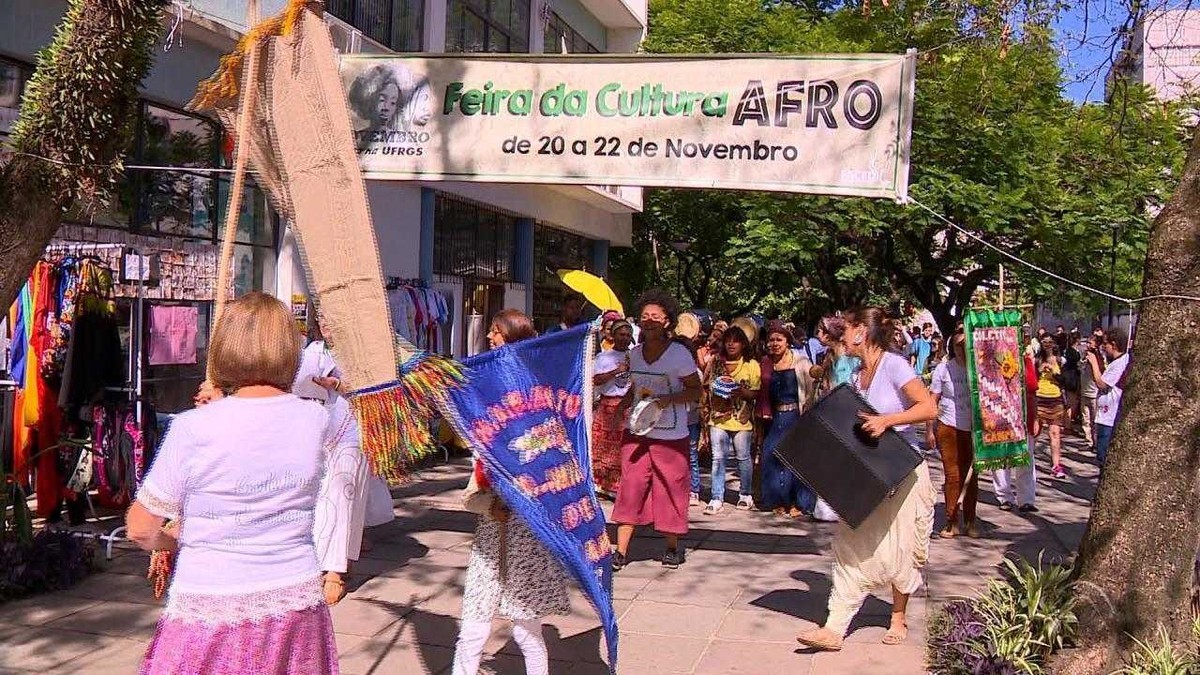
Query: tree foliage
{"x": 996, "y": 148}
{"x": 76, "y": 120}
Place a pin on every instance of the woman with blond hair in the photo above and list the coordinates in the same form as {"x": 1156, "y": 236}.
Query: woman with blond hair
{"x": 889, "y": 548}
{"x": 242, "y": 475}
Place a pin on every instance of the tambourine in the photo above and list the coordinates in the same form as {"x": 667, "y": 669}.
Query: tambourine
{"x": 644, "y": 416}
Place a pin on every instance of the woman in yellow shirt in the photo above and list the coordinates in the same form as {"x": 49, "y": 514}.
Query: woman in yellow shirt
{"x": 732, "y": 381}
{"x": 1050, "y": 408}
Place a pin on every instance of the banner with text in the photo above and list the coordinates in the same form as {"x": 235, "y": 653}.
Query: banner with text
{"x": 822, "y": 124}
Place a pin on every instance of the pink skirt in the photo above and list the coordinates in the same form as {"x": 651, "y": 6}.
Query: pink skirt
{"x": 294, "y": 643}
{"x": 655, "y": 484}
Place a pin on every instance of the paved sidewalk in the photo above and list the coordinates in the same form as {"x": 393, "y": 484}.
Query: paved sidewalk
{"x": 751, "y": 583}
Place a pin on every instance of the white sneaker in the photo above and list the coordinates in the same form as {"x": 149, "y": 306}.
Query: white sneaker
{"x": 714, "y": 507}
{"x": 745, "y": 503}
{"x": 694, "y": 500}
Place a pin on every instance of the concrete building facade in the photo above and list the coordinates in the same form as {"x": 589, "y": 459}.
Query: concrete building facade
{"x": 482, "y": 247}
{"x": 1163, "y": 52}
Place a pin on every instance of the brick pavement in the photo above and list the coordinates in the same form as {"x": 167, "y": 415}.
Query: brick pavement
{"x": 751, "y": 583}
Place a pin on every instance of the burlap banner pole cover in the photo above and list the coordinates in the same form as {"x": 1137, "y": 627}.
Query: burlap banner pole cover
{"x": 996, "y": 368}
{"x": 823, "y": 124}
{"x": 301, "y": 146}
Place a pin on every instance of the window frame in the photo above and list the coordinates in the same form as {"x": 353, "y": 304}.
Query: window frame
{"x": 557, "y": 25}
{"x": 473, "y": 240}
{"x": 481, "y": 10}
{"x": 357, "y": 13}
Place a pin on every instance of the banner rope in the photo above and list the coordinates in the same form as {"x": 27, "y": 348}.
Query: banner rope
{"x": 1042, "y": 270}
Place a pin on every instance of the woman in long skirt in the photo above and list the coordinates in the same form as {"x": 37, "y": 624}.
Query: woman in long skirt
{"x": 786, "y": 392}
{"x": 889, "y": 548}
{"x": 242, "y": 475}
{"x": 608, "y": 425}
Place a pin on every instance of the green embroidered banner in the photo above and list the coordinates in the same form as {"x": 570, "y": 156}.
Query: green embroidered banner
{"x": 995, "y": 367}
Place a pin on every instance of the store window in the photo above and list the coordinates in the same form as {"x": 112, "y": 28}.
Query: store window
{"x": 474, "y": 247}
{"x": 177, "y": 203}
{"x": 560, "y": 36}
{"x": 13, "y": 77}
{"x": 175, "y": 214}
{"x": 472, "y": 240}
{"x": 395, "y": 24}
{"x": 499, "y": 26}
{"x": 554, "y": 249}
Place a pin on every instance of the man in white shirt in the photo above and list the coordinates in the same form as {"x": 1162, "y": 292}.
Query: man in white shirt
{"x": 1108, "y": 403}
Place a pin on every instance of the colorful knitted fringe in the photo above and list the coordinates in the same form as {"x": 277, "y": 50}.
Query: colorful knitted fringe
{"x": 396, "y": 418}
{"x": 223, "y": 85}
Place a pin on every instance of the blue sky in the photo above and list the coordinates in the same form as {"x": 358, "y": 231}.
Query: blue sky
{"x": 1085, "y": 36}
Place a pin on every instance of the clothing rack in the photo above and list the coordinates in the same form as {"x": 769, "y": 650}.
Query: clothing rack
{"x": 394, "y": 283}
{"x": 82, "y": 247}
{"x": 134, "y": 376}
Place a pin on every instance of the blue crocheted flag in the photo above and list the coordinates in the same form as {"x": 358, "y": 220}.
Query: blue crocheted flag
{"x": 523, "y": 414}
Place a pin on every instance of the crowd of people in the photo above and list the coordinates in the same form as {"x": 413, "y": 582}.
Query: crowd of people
{"x": 264, "y": 494}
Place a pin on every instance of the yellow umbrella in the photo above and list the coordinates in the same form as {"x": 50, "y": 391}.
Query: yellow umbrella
{"x": 593, "y": 288}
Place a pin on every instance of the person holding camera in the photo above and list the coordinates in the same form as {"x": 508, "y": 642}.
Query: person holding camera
{"x": 1093, "y": 363}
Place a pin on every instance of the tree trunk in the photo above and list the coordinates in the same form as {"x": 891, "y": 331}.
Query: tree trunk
{"x": 1135, "y": 561}
{"x": 76, "y": 120}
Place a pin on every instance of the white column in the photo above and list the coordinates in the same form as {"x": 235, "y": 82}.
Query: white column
{"x": 289, "y": 268}
{"x": 538, "y": 11}
{"x": 434, "y": 27}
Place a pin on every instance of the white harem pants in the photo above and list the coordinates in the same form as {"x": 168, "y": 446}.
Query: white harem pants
{"x": 886, "y": 551}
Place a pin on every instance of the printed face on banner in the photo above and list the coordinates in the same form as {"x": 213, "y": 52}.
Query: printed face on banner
{"x": 1001, "y": 390}
{"x": 824, "y": 124}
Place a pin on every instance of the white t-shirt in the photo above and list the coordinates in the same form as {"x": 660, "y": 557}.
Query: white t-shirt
{"x": 315, "y": 361}
{"x": 664, "y": 376}
{"x": 954, "y": 406}
{"x": 886, "y": 393}
{"x": 243, "y": 474}
{"x": 1108, "y": 402}
{"x": 606, "y": 362}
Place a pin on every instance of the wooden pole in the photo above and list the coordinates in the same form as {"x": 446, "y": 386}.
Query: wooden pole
{"x": 1001, "y": 287}
{"x": 248, "y": 90}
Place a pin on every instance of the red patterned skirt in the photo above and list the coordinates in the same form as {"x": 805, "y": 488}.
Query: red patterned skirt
{"x": 608, "y": 432}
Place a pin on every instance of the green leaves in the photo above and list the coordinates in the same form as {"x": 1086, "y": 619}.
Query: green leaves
{"x": 995, "y": 148}
{"x": 79, "y": 107}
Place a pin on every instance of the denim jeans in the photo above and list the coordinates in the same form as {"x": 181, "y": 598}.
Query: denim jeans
{"x": 694, "y": 450}
{"x": 1104, "y": 434}
{"x": 722, "y": 442}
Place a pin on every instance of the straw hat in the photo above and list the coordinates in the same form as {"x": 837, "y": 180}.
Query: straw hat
{"x": 687, "y": 326}
{"x": 748, "y": 326}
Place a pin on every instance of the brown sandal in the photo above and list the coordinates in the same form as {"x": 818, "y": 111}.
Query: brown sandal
{"x": 820, "y": 638}
{"x": 894, "y": 635}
